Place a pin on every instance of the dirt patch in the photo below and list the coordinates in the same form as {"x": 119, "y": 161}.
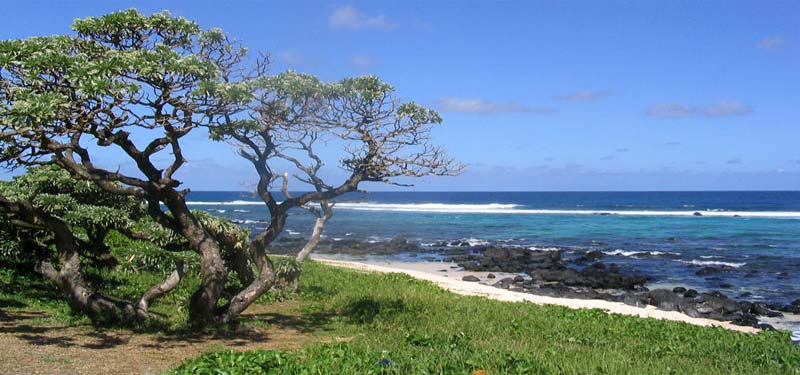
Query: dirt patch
{"x": 29, "y": 348}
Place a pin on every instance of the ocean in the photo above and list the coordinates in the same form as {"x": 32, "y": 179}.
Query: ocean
{"x": 666, "y": 235}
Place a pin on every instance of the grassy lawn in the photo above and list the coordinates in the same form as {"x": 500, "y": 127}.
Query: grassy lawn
{"x": 424, "y": 330}
{"x": 392, "y": 324}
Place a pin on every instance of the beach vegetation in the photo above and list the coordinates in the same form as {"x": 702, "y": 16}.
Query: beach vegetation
{"x": 135, "y": 85}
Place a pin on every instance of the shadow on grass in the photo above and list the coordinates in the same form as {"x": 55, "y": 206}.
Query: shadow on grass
{"x": 98, "y": 338}
{"x": 366, "y": 310}
{"x": 5, "y": 302}
{"x": 304, "y": 323}
{"x": 158, "y": 334}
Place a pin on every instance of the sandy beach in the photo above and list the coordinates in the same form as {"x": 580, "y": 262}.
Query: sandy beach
{"x": 448, "y": 276}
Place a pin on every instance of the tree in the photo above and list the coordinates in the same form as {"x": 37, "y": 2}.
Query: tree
{"x": 56, "y": 207}
{"x": 288, "y": 115}
{"x": 42, "y": 211}
{"x": 125, "y": 76}
{"x": 91, "y": 211}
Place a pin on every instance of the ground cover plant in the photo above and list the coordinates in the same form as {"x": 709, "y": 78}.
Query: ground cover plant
{"x": 403, "y": 326}
{"x": 391, "y": 323}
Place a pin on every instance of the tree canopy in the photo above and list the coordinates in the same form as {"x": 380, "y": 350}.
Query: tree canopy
{"x": 68, "y": 101}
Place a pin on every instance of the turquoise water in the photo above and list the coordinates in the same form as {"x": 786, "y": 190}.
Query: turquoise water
{"x": 655, "y": 233}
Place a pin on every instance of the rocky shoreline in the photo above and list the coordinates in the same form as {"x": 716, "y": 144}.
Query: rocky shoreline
{"x": 588, "y": 277}
{"x": 580, "y": 275}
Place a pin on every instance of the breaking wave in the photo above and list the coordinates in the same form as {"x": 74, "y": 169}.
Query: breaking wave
{"x": 502, "y": 208}
{"x": 638, "y": 253}
{"x": 228, "y": 203}
{"x": 712, "y": 263}
{"x": 498, "y": 208}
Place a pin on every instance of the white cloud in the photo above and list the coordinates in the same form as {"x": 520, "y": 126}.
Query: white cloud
{"x": 474, "y": 105}
{"x": 670, "y": 110}
{"x": 725, "y": 108}
{"x": 734, "y": 161}
{"x": 771, "y": 43}
{"x": 582, "y": 96}
{"x": 351, "y": 18}
{"x": 362, "y": 62}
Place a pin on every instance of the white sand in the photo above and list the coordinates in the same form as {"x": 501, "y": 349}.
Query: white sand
{"x": 449, "y": 279}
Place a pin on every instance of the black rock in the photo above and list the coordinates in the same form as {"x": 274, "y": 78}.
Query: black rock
{"x": 458, "y": 244}
{"x": 792, "y": 308}
{"x": 518, "y": 279}
{"x": 697, "y": 214}
{"x": 470, "y": 278}
{"x": 745, "y": 306}
{"x": 490, "y": 276}
{"x": 665, "y": 299}
{"x": 634, "y": 300}
{"x": 678, "y": 289}
{"x": 691, "y": 293}
{"x": 759, "y": 308}
{"x": 590, "y": 256}
{"x": 748, "y": 320}
{"x": 713, "y": 270}
{"x": 766, "y": 327}
{"x": 717, "y": 302}
{"x": 507, "y": 259}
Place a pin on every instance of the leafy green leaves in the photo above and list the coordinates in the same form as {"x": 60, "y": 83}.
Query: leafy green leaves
{"x": 130, "y": 28}
{"x": 368, "y": 88}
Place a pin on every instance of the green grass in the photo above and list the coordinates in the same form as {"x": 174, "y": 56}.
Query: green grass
{"x": 424, "y": 330}
{"x": 421, "y": 329}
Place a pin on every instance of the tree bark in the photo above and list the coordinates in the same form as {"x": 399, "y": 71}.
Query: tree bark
{"x": 203, "y": 304}
{"x": 316, "y": 234}
{"x": 158, "y": 291}
{"x": 265, "y": 279}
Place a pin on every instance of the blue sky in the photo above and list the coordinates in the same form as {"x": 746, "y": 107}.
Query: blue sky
{"x": 657, "y": 95}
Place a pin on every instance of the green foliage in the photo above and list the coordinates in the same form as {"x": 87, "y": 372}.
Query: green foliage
{"x": 94, "y": 214}
{"x": 103, "y": 78}
{"x": 424, "y": 330}
{"x": 287, "y": 268}
{"x": 78, "y": 203}
{"x": 367, "y": 88}
{"x": 28, "y": 291}
{"x": 89, "y": 210}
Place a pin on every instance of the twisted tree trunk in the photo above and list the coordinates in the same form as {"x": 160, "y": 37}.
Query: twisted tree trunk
{"x": 203, "y": 304}
{"x": 69, "y": 279}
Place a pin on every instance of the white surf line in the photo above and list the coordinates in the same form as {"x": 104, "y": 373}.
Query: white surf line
{"x": 482, "y": 290}
{"x": 490, "y": 209}
{"x": 228, "y": 203}
{"x": 498, "y": 208}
